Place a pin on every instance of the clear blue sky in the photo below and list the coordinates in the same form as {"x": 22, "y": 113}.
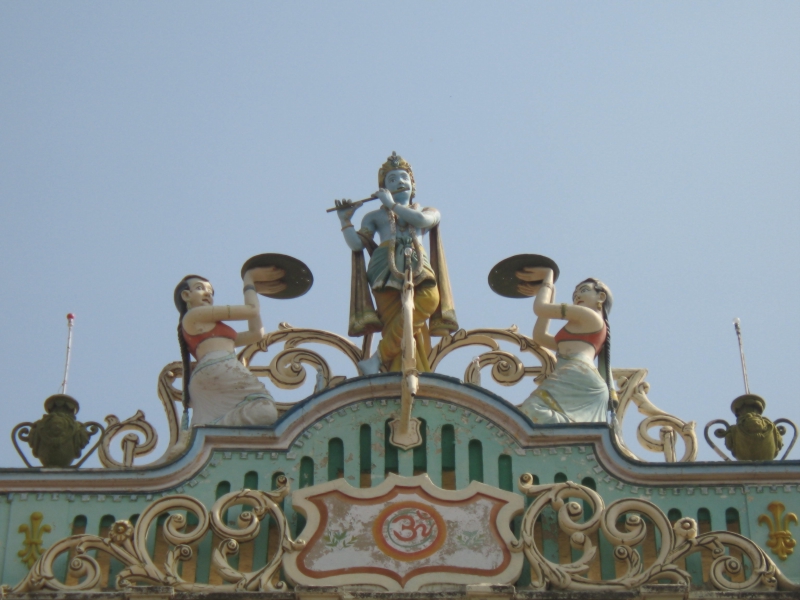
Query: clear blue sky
{"x": 655, "y": 145}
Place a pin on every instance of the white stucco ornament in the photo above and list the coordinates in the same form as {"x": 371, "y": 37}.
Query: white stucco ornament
{"x": 405, "y": 534}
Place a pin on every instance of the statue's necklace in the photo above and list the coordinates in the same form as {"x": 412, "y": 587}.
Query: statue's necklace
{"x": 393, "y": 227}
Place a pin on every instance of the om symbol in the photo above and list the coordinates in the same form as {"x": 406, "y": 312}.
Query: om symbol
{"x": 409, "y": 530}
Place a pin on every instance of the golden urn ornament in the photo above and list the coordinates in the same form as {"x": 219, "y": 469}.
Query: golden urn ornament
{"x": 754, "y": 436}
{"x": 58, "y": 438}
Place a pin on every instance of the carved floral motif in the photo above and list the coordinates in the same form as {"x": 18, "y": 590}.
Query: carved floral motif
{"x": 127, "y": 543}
{"x": 32, "y": 546}
{"x": 677, "y": 541}
{"x": 287, "y": 370}
{"x": 623, "y": 523}
{"x": 780, "y": 539}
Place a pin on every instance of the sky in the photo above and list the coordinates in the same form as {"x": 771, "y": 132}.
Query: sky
{"x": 654, "y": 145}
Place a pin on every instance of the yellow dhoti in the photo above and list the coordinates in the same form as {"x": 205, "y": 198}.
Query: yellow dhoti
{"x": 434, "y": 313}
{"x": 390, "y": 312}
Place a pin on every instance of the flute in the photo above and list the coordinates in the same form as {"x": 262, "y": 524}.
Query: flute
{"x": 360, "y": 202}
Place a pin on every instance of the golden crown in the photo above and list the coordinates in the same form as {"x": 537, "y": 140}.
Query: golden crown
{"x": 393, "y": 163}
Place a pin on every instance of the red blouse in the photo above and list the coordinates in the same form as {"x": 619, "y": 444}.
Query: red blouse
{"x": 595, "y": 339}
{"x": 220, "y": 330}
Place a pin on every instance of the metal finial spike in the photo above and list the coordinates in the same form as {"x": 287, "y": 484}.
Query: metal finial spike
{"x": 737, "y": 325}
{"x": 70, "y": 322}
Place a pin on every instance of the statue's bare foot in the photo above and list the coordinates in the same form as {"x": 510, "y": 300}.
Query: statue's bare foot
{"x": 370, "y": 366}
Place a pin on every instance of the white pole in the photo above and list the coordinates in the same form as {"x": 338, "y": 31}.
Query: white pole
{"x": 737, "y": 326}
{"x": 70, "y": 322}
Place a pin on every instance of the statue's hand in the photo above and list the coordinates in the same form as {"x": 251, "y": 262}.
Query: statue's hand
{"x": 385, "y": 197}
{"x": 346, "y": 209}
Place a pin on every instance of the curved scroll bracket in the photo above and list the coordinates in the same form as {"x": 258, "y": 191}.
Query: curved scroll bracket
{"x": 778, "y": 423}
{"x": 132, "y": 444}
{"x": 720, "y": 433}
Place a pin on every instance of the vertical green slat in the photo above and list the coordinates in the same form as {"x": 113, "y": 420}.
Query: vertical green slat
{"x": 462, "y": 458}
{"x": 260, "y": 543}
{"x": 365, "y": 453}
{"x": 365, "y": 448}
{"x": 504, "y": 475}
{"x": 231, "y": 517}
{"x": 733, "y": 523}
{"x": 475, "y": 452}
{"x": 550, "y": 535}
{"x": 574, "y": 554}
{"x": 61, "y": 566}
{"x": 673, "y": 515}
{"x": 306, "y": 480}
{"x": 203, "y": 553}
{"x": 251, "y": 480}
{"x": 434, "y": 458}
{"x": 378, "y": 454}
{"x": 204, "y": 548}
{"x": 694, "y": 563}
{"x": 588, "y": 513}
{"x": 524, "y": 579}
{"x": 114, "y": 566}
{"x": 448, "y": 447}
{"x": 223, "y": 487}
{"x": 335, "y": 459}
{"x": 390, "y": 453}
{"x": 191, "y": 522}
{"x": 421, "y": 451}
{"x": 351, "y": 467}
{"x": 550, "y": 529}
{"x": 491, "y": 449}
{"x": 604, "y": 547}
{"x": 448, "y": 452}
{"x": 306, "y": 472}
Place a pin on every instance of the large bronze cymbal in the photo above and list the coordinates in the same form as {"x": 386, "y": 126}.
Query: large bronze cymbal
{"x": 279, "y": 276}
{"x": 521, "y": 275}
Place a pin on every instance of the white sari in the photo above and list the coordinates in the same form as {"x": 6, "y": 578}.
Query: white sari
{"x": 574, "y": 393}
{"x": 224, "y": 392}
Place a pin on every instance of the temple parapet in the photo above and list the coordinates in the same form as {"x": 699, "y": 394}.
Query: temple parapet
{"x": 596, "y": 519}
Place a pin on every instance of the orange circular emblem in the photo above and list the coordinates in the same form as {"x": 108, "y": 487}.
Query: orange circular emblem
{"x": 409, "y": 530}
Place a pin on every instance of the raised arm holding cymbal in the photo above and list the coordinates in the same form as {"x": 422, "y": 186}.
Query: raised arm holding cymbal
{"x": 576, "y": 391}
{"x": 220, "y": 390}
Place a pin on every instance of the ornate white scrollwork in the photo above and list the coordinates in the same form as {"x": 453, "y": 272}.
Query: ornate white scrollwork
{"x": 127, "y": 543}
{"x": 132, "y": 444}
{"x": 623, "y": 523}
{"x": 490, "y": 339}
{"x": 677, "y": 541}
{"x": 287, "y": 370}
{"x": 170, "y": 397}
{"x": 633, "y": 390}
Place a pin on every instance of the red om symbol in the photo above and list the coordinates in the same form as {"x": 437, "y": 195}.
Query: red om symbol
{"x": 410, "y": 528}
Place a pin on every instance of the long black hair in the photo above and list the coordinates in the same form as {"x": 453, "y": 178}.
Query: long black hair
{"x": 180, "y": 304}
{"x": 604, "y": 360}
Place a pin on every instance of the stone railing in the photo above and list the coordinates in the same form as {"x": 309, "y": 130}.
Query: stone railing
{"x": 287, "y": 370}
{"x": 736, "y": 563}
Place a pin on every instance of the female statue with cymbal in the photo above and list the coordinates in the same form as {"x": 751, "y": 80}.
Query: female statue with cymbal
{"x": 220, "y": 390}
{"x": 576, "y": 391}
